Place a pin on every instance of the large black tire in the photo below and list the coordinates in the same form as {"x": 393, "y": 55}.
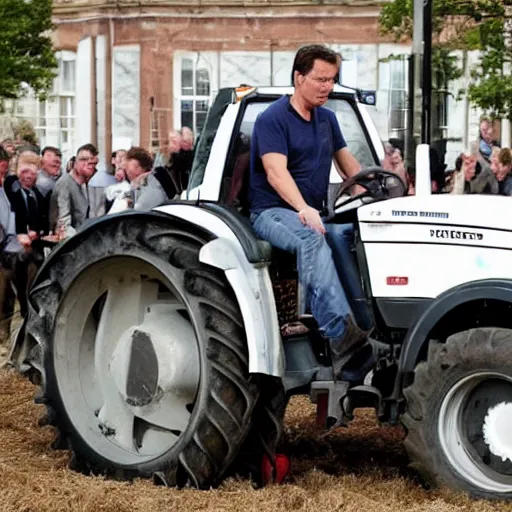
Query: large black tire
{"x": 265, "y": 433}
{"x": 447, "y": 406}
{"x": 222, "y": 411}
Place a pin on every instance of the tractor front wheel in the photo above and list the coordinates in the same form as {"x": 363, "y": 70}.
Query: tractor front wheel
{"x": 459, "y": 414}
{"x": 144, "y": 356}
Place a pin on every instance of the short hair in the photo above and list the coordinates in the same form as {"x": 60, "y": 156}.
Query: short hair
{"x": 142, "y": 156}
{"x": 28, "y": 158}
{"x": 28, "y": 147}
{"x": 459, "y": 161}
{"x": 4, "y": 156}
{"x": 306, "y": 55}
{"x": 51, "y": 149}
{"x": 88, "y": 147}
{"x": 505, "y": 157}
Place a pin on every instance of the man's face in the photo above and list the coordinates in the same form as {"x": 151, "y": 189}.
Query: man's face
{"x": 500, "y": 171}
{"x": 51, "y": 163}
{"x": 4, "y": 168}
{"x": 187, "y": 139}
{"x": 120, "y": 156}
{"x": 133, "y": 169}
{"x": 486, "y": 131}
{"x": 27, "y": 175}
{"x": 120, "y": 174}
{"x": 85, "y": 165}
{"x": 469, "y": 166}
{"x": 315, "y": 86}
{"x": 9, "y": 147}
{"x": 174, "y": 142}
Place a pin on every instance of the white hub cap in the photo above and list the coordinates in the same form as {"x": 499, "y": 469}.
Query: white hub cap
{"x": 474, "y": 430}
{"x": 498, "y": 431}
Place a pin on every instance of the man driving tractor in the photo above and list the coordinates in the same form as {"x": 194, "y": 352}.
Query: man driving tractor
{"x": 294, "y": 142}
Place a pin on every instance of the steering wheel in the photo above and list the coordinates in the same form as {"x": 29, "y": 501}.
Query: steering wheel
{"x": 378, "y": 184}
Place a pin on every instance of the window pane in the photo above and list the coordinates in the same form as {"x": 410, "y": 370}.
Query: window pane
{"x": 42, "y": 113}
{"x": 187, "y": 113}
{"x": 201, "y": 111}
{"x": 397, "y": 74}
{"x": 202, "y": 82}
{"x": 41, "y": 135}
{"x": 397, "y": 120}
{"x": 352, "y": 131}
{"x": 187, "y": 77}
{"x": 64, "y": 107}
{"x": 68, "y": 75}
{"x": 397, "y": 100}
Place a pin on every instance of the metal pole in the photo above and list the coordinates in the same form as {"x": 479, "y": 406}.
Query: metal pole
{"x": 505, "y": 122}
{"x": 415, "y": 102}
{"x": 427, "y": 73}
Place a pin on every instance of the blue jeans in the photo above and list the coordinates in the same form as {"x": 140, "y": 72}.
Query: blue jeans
{"x": 323, "y": 263}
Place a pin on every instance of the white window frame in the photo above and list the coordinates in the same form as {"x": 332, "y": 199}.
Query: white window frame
{"x": 395, "y": 130}
{"x": 178, "y": 59}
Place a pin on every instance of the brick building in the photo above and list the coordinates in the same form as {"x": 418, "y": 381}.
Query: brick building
{"x": 130, "y": 70}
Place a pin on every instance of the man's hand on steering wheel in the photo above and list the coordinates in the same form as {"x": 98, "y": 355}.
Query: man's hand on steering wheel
{"x": 357, "y": 190}
{"x": 373, "y": 182}
{"x": 311, "y": 217}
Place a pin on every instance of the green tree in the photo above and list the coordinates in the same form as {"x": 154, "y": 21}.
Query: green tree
{"x": 463, "y": 25}
{"x": 26, "y": 53}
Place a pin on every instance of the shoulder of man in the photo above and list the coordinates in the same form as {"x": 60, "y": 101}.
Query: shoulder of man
{"x": 163, "y": 177}
{"x": 63, "y": 182}
{"x": 274, "y": 111}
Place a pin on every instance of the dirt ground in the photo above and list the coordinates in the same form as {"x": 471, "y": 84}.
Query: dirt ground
{"x": 355, "y": 469}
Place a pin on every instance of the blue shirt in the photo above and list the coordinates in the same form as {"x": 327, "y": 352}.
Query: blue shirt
{"x": 308, "y": 145}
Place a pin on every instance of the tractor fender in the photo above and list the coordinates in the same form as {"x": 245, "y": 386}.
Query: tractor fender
{"x": 417, "y": 336}
{"x": 244, "y": 259}
{"x": 233, "y": 248}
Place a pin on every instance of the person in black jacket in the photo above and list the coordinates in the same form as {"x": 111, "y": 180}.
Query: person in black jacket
{"x": 30, "y": 207}
{"x": 31, "y": 210}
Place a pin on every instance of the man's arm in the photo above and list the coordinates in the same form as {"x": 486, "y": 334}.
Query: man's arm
{"x": 61, "y": 199}
{"x": 280, "y": 179}
{"x": 346, "y": 163}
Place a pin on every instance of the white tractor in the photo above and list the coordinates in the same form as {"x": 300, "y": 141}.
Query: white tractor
{"x": 156, "y": 336}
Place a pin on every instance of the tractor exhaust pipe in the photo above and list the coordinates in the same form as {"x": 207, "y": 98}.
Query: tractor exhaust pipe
{"x": 423, "y": 181}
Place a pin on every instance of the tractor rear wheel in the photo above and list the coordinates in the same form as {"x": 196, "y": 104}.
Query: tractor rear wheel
{"x": 459, "y": 412}
{"x": 144, "y": 358}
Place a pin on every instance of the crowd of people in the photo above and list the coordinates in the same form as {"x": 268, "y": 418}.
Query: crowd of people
{"x": 42, "y": 203}
{"x": 484, "y": 168}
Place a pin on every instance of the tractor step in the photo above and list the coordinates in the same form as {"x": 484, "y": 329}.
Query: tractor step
{"x": 336, "y": 401}
{"x": 329, "y": 395}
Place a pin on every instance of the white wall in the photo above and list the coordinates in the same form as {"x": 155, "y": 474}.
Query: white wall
{"x": 83, "y": 92}
{"x": 101, "y": 63}
{"x": 125, "y": 96}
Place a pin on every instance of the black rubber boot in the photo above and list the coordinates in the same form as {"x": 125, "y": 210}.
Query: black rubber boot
{"x": 345, "y": 347}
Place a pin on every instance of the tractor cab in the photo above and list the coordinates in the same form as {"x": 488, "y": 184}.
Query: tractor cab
{"x": 225, "y": 144}
{"x": 234, "y": 114}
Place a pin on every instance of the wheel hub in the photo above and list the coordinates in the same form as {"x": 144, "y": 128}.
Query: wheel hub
{"x": 473, "y": 423}
{"x": 155, "y": 357}
{"x": 496, "y": 430}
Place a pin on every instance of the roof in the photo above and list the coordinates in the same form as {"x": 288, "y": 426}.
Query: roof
{"x": 289, "y": 89}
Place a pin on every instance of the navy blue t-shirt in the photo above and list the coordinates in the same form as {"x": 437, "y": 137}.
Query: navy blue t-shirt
{"x": 308, "y": 145}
